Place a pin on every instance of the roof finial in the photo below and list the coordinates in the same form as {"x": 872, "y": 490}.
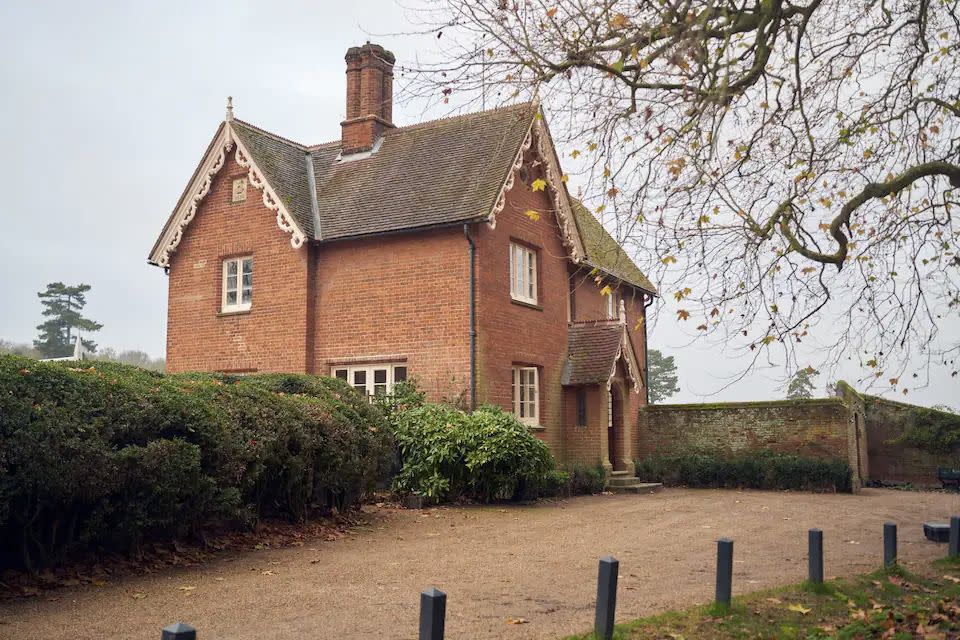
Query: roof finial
{"x": 229, "y": 108}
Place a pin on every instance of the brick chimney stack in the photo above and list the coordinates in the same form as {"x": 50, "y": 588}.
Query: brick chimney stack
{"x": 369, "y": 97}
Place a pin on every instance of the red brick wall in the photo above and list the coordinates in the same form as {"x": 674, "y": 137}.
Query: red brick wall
{"x": 272, "y": 335}
{"x": 583, "y": 444}
{"x": 405, "y": 295}
{"x": 891, "y": 462}
{"x": 510, "y": 333}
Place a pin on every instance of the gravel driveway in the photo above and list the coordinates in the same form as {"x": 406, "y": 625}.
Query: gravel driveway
{"x": 537, "y": 563}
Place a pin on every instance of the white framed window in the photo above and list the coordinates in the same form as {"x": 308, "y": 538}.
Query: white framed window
{"x": 237, "y": 284}
{"x": 526, "y": 395}
{"x": 238, "y": 191}
{"x": 523, "y": 273}
{"x": 612, "y": 309}
{"x": 372, "y": 379}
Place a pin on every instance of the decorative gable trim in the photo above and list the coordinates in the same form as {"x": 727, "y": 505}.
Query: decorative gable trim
{"x": 555, "y": 186}
{"x": 628, "y": 355}
{"x": 225, "y": 140}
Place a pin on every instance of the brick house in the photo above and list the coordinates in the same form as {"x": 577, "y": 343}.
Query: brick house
{"x": 447, "y": 251}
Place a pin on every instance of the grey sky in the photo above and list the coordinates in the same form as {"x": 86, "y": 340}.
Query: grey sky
{"x": 107, "y": 108}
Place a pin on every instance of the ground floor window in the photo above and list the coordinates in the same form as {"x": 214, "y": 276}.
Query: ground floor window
{"x": 526, "y": 395}
{"x": 372, "y": 379}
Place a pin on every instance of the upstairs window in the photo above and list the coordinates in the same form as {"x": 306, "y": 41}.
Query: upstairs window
{"x": 523, "y": 273}
{"x": 372, "y": 379}
{"x": 526, "y": 395}
{"x": 237, "y": 284}
{"x": 612, "y": 309}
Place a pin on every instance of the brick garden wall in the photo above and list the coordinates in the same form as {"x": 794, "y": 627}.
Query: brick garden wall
{"x": 890, "y": 462}
{"x": 817, "y": 428}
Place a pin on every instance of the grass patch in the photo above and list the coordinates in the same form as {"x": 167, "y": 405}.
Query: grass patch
{"x": 889, "y": 603}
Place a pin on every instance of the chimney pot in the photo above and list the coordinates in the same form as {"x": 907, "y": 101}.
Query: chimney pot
{"x": 369, "y": 97}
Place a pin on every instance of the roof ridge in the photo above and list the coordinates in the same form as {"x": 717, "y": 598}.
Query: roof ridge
{"x": 425, "y": 123}
{"x": 271, "y": 134}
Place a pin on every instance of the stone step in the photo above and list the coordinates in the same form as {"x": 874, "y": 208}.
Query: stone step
{"x": 637, "y": 487}
{"x": 621, "y": 480}
{"x": 620, "y": 473}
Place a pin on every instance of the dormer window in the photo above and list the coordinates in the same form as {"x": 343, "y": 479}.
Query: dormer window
{"x": 237, "y": 284}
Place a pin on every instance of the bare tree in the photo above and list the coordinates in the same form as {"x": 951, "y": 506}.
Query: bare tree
{"x": 776, "y": 165}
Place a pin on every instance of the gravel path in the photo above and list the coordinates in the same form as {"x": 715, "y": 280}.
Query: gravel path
{"x": 532, "y": 562}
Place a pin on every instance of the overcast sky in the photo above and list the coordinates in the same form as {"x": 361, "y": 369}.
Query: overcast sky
{"x": 107, "y": 108}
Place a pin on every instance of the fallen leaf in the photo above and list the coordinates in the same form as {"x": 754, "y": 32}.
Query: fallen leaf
{"x": 799, "y": 608}
{"x": 187, "y": 588}
{"x": 139, "y": 596}
{"x": 517, "y": 621}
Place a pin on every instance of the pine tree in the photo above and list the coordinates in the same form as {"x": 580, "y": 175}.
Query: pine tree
{"x": 62, "y": 307}
{"x": 801, "y": 384}
{"x": 663, "y": 376}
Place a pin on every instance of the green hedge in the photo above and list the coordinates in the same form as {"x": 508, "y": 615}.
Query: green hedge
{"x": 755, "y": 470}
{"x": 102, "y": 455}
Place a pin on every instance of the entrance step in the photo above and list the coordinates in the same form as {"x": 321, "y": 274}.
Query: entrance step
{"x": 637, "y": 487}
{"x": 621, "y": 482}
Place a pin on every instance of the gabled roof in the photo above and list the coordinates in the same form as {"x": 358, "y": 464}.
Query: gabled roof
{"x": 593, "y": 349}
{"x": 442, "y": 172}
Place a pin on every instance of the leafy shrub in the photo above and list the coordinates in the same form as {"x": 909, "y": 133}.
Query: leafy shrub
{"x": 586, "y": 480}
{"x": 930, "y": 430}
{"x": 486, "y": 455}
{"x": 102, "y": 455}
{"x": 756, "y": 470}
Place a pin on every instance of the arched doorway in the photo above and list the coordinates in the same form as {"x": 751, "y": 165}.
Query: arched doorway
{"x": 615, "y": 430}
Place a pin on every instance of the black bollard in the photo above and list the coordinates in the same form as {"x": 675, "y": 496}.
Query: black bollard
{"x": 178, "y": 631}
{"x": 889, "y": 544}
{"x": 954, "y": 549}
{"x": 724, "y": 571}
{"x": 815, "y": 556}
{"x": 606, "y": 597}
{"x": 433, "y": 612}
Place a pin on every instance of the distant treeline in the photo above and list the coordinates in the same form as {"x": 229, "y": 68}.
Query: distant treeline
{"x": 134, "y": 357}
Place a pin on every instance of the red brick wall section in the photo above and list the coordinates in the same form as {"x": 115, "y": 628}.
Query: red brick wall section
{"x": 810, "y": 428}
{"x": 891, "y": 462}
{"x": 583, "y": 444}
{"x": 272, "y": 335}
{"x": 510, "y": 333}
{"x": 405, "y": 295}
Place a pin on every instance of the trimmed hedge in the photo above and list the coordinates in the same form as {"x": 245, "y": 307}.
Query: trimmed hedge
{"x": 102, "y": 455}
{"x": 756, "y": 470}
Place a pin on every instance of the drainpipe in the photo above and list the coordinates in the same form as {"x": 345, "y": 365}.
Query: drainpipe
{"x": 473, "y": 318}
{"x": 646, "y": 349}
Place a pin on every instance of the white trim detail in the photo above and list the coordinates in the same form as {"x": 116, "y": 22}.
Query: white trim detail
{"x": 561, "y": 199}
{"x": 633, "y": 367}
{"x": 511, "y": 178}
{"x": 198, "y": 189}
{"x": 270, "y": 200}
{"x": 554, "y": 177}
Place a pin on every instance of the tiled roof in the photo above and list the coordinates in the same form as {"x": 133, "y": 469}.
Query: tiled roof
{"x": 606, "y": 253}
{"x": 591, "y": 352}
{"x": 436, "y": 173}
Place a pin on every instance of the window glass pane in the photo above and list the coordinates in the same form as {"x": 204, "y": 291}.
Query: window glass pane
{"x": 248, "y": 279}
{"x": 379, "y": 389}
{"x": 232, "y": 267}
{"x": 399, "y": 374}
{"x": 379, "y": 376}
{"x": 341, "y": 373}
{"x": 248, "y": 265}
{"x": 231, "y": 297}
{"x": 231, "y": 283}
{"x": 247, "y": 296}
{"x": 360, "y": 376}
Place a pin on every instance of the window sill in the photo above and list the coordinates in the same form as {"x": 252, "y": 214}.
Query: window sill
{"x": 238, "y": 312}
{"x": 529, "y": 305}
{"x": 535, "y": 427}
